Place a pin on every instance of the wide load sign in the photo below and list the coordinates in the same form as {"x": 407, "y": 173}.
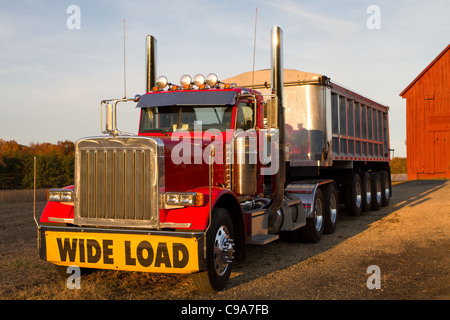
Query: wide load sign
{"x": 147, "y": 253}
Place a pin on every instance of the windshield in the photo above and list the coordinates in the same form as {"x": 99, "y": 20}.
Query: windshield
{"x": 169, "y": 119}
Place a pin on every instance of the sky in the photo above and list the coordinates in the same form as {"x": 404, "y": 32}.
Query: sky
{"x": 57, "y": 64}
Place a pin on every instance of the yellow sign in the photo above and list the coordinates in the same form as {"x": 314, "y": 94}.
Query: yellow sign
{"x": 131, "y": 252}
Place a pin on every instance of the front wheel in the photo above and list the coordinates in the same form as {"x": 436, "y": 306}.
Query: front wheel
{"x": 219, "y": 253}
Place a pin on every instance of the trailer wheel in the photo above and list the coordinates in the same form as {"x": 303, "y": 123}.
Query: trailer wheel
{"x": 331, "y": 208}
{"x": 367, "y": 192}
{"x": 353, "y": 196}
{"x": 386, "y": 188}
{"x": 376, "y": 191}
{"x": 313, "y": 230}
{"x": 219, "y": 253}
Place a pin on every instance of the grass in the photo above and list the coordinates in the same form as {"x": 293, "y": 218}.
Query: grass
{"x": 22, "y": 195}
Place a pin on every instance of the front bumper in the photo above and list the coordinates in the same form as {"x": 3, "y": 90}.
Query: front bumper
{"x": 119, "y": 249}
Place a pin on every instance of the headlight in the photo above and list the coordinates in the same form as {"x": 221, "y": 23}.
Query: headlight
{"x": 172, "y": 199}
{"x": 60, "y": 195}
{"x": 184, "y": 199}
{"x": 187, "y": 199}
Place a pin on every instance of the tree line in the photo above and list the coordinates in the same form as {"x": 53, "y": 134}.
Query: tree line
{"x": 398, "y": 165}
{"x": 55, "y": 164}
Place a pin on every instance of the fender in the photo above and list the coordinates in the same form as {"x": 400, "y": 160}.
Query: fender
{"x": 199, "y": 216}
{"x": 59, "y": 210}
{"x": 306, "y": 191}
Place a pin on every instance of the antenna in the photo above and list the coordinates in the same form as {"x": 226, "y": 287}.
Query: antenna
{"x": 124, "y": 65}
{"x": 254, "y": 50}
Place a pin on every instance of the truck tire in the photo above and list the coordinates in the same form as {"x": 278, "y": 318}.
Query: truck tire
{"x": 376, "y": 191}
{"x": 331, "y": 210}
{"x": 353, "y": 197}
{"x": 386, "y": 188}
{"x": 313, "y": 230}
{"x": 366, "y": 192}
{"x": 219, "y": 253}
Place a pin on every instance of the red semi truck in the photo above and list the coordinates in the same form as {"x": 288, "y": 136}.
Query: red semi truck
{"x": 216, "y": 166}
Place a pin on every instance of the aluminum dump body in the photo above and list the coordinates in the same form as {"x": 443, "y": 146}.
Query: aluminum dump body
{"x": 325, "y": 122}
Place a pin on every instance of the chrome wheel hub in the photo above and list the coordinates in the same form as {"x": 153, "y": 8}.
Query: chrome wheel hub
{"x": 386, "y": 189}
{"x": 318, "y": 214}
{"x": 223, "y": 250}
{"x": 378, "y": 191}
{"x": 358, "y": 195}
{"x": 368, "y": 192}
{"x": 333, "y": 208}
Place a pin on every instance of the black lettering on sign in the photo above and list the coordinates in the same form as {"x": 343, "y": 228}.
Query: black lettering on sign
{"x": 144, "y": 245}
{"x": 93, "y": 246}
{"x": 81, "y": 248}
{"x": 162, "y": 255}
{"x": 67, "y": 249}
{"x": 128, "y": 259}
{"x": 177, "y": 249}
{"x": 107, "y": 252}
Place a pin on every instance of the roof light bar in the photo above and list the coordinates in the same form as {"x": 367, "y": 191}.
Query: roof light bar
{"x": 186, "y": 82}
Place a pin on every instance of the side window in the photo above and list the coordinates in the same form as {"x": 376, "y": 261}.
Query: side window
{"x": 245, "y": 117}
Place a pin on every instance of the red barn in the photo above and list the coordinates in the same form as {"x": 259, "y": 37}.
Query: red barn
{"x": 428, "y": 121}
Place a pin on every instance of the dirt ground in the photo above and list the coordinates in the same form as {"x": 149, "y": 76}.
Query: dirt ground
{"x": 409, "y": 242}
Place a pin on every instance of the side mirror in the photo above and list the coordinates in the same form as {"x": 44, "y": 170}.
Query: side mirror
{"x": 109, "y": 117}
{"x": 109, "y": 107}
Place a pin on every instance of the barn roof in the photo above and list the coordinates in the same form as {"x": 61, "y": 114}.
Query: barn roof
{"x": 424, "y": 71}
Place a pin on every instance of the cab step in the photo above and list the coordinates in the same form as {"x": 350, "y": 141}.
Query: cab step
{"x": 263, "y": 239}
{"x": 260, "y": 235}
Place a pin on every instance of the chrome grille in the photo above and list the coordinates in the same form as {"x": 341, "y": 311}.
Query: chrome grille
{"x": 117, "y": 182}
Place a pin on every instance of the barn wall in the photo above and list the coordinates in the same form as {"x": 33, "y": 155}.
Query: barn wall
{"x": 428, "y": 122}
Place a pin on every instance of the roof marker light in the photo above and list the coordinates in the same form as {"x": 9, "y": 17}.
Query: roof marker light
{"x": 161, "y": 82}
{"x": 199, "y": 80}
{"x": 186, "y": 81}
{"x": 212, "y": 79}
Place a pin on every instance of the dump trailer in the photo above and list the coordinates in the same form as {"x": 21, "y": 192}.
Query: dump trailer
{"x": 333, "y": 133}
{"x": 217, "y": 166}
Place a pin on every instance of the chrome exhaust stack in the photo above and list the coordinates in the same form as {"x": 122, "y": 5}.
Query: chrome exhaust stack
{"x": 278, "y": 181}
{"x": 150, "y": 58}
